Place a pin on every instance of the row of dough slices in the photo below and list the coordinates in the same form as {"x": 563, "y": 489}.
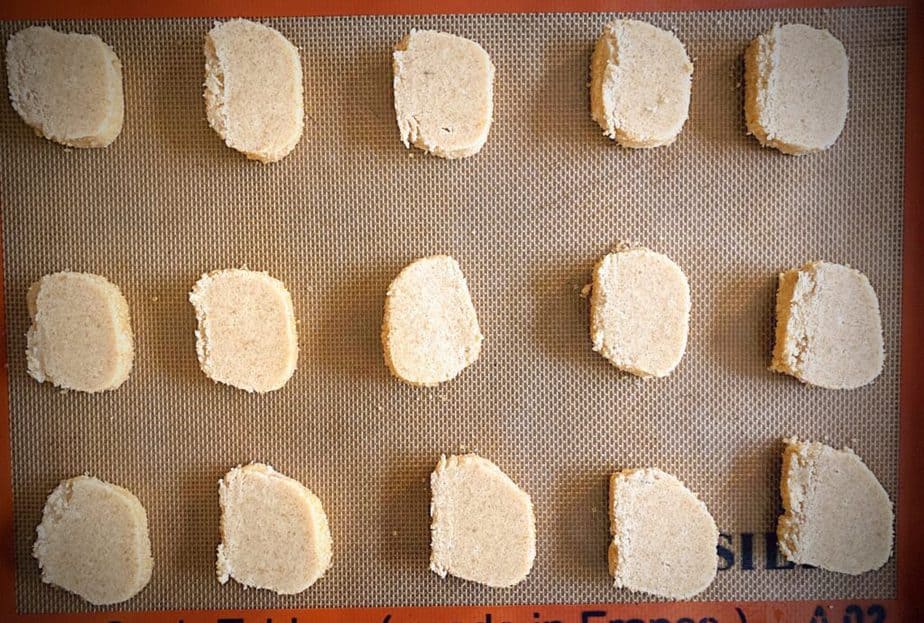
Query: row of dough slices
{"x": 829, "y": 331}
{"x": 275, "y": 533}
{"x": 69, "y": 88}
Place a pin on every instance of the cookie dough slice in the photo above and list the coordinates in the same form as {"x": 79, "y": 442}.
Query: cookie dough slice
{"x": 274, "y": 532}
{"x": 246, "y": 336}
{"x": 81, "y": 335}
{"x": 444, "y": 93}
{"x": 796, "y": 88}
{"x": 483, "y": 528}
{"x": 93, "y": 541}
{"x": 828, "y": 329}
{"x": 68, "y": 87}
{"x": 430, "y": 332}
{"x": 640, "y": 312}
{"x": 253, "y": 89}
{"x": 664, "y": 539}
{"x": 836, "y": 514}
{"x": 639, "y": 84}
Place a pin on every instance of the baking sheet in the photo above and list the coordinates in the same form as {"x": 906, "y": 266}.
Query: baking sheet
{"x": 526, "y": 218}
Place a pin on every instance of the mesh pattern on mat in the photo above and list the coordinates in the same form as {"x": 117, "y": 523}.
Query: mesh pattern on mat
{"x": 526, "y": 218}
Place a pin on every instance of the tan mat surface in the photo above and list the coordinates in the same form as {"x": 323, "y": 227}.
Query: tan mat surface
{"x": 527, "y": 219}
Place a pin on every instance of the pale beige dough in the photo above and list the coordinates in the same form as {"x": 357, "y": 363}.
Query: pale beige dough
{"x": 246, "y": 336}
{"x": 81, "y": 335}
{"x": 444, "y": 93}
{"x": 68, "y": 87}
{"x": 828, "y": 328}
{"x": 640, "y": 312}
{"x": 93, "y": 541}
{"x": 640, "y": 84}
{"x": 796, "y": 88}
{"x": 836, "y": 514}
{"x": 430, "y": 331}
{"x": 254, "y": 97}
{"x": 664, "y": 539}
{"x": 274, "y": 531}
{"x": 483, "y": 528}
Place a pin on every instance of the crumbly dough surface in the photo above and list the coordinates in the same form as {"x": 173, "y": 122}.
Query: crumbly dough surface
{"x": 254, "y": 97}
{"x": 836, "y": 514}
{"x": 430, "y": 331}
{"x": 81, "y": 335}
{"x": 796, "y": 88}
{"x": 274, "y": 532}
{"x": 640, "y": 84}
{"x": 93, "y": 541}
{"x": 640, "y": 312}
{"x": 246, "y": 336}
{"x": 828, "y": 327}
{"x": 664, "y": 539}
{"x": 444, "y": 93}
{"x": 67, "y": 86}
{"x": 483, "y": 528}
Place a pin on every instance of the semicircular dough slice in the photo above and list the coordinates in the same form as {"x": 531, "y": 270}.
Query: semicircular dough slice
{"x": 444, "y": 93}
{"x": 796, "y": 88}
{"x": 254, "y": 97}
{"x": 68, "y": 87}
{"x": 430, "y": 331}
{"x": 274, "y": 532}
{"x": 93, "y": 541}
{"x": 664, "y": 539}
{"x": 246, "y": 336}
{"x": 81, "y": 335}
{"x": 640, "y": 312}
{"x": 836, "y": 514}
{"x": 483, "y": 528}
{"x": 640, "y": 84}
{"x": 828, "y": 328}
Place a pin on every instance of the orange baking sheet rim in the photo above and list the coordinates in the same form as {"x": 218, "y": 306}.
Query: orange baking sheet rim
{"x": 909, "y": 604}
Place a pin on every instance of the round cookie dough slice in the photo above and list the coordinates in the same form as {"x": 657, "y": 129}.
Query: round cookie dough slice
{"x": 430, "y": 332}
{"x": 444, "y": 93}
{"x": 68, "y": 87}
{"x": 246, "y": 336}
{"x": 664, "y": 539}
{"x": 828, "y": 329}
{"x": 81, "y": 335}
{"x": 836, "y": 514}
{"x": 795, "y": 88}
{"x": 253, "y": 89}
{"x": 93, "y": 541}
{"x": 274, "y": 532}
{"x": 483, "y": 528}
{"x": 639, "y": 84}
{"x": 640, "y": 312}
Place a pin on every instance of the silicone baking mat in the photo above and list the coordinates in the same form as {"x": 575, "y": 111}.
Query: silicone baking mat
{"x": 526, "y": 218}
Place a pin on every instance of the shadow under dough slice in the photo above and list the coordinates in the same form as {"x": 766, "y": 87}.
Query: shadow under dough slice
{"x": 81, "y": 335}
{"x": 836, "y": 514}
{"x": 274, "y": 532}
{"x": 483, "y": 528}
{"x": 68, "y": 87}
{"x": 246, "y": 335}
{"x": 254, "y": 97}
{"x": 444, "y": 93}
{"x": 93, "y": 541}
{"x": 664, "y": 539}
